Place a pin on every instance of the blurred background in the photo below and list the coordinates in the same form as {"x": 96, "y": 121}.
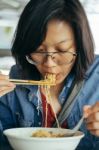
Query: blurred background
{"x": 10, "y": 11}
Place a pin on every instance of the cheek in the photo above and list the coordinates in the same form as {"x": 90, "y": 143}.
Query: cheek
{"x": 64, "y": 71}
{"x": 41, "y": 70}
{"x": 67, "y": 69}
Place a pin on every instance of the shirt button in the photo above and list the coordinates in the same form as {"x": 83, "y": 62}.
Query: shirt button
{"x": 39, "y": 123}
{"x": 63, "y": 99}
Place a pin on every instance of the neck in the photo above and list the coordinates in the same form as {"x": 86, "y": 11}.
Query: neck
{"x": 55, "y": 90}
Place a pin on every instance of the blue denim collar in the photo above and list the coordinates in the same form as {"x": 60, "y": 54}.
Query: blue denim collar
{"x": 67, "y": 85}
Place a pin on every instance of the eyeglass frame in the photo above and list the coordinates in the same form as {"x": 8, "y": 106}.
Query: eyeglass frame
{"x": 48, "y": 54}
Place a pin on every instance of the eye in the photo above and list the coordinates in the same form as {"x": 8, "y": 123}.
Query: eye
{"x": 60, "y": 50}
{"x": 40, "y": 50}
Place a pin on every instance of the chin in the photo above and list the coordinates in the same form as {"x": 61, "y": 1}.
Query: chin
{"x": 59, "y": 81}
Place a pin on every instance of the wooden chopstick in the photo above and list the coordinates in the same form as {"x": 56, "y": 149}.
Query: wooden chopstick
{"x": 31, "y": 82}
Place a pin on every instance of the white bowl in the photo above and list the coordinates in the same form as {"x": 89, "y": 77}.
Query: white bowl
{"x": 20, "y": 139}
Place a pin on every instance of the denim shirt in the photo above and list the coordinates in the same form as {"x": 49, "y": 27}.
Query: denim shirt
{"x": 22, "y": 107}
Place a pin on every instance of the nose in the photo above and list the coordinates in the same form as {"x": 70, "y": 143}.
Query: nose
{"x": 49, "y": 61}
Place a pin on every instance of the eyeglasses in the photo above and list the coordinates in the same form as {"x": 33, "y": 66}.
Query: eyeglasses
{"x": 60, "y": 58}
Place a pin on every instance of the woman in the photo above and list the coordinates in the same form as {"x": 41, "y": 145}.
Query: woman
{"x": 52, "y": 37}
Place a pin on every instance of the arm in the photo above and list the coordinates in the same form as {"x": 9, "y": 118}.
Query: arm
{"x": 6, "y": 121}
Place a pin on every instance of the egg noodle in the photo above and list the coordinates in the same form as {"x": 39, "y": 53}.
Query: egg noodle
{"x": 41, "y": 133}
{"x": 52, "y": 79}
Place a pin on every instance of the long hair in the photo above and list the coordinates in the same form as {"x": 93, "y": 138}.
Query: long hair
{"x": 32, "y": 28}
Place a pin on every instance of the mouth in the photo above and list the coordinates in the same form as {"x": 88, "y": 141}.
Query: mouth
{"x": 51, "y": 73}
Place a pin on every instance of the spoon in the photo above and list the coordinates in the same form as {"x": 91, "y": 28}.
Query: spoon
{"x": 75, "y": 129}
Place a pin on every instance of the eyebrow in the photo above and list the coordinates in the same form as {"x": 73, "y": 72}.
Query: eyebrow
{"x": 66, "y": 40}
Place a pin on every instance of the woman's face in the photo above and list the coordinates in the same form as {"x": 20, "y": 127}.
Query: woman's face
{"x": 59, "y": 36}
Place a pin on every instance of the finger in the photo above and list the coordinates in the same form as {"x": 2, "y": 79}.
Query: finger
{"x": 6, "y": 91}
{"x": 4, "y": 80}
{"x": 4, "y": 77}
{"x": 6, "y": 83}
{"x": 95, "y": 107}
{"x": 95, "y": 132}
{"x": 86, "y": 110}
{"x": 93, "y": 126}
{"x": 6, "y": 88}
{"x": 93, "y": 117}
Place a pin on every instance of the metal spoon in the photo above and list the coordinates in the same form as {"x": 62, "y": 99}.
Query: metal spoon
{"x": 75, "y": 129}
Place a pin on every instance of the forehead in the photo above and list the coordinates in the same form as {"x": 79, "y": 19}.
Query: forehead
{"x": 58, "y": 31}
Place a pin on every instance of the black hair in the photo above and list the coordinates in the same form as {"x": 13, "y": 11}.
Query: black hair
{"x": 32, "y": 28}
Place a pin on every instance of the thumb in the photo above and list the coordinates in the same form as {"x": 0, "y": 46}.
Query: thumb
{"x": 86, "y": 111}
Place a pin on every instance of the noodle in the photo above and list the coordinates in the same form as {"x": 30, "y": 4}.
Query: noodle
{"x": 51, "y": 78}
{"x": 43, "y": 133}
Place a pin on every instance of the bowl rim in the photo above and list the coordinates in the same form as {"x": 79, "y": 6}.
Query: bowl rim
{"x": 7, "y": 133}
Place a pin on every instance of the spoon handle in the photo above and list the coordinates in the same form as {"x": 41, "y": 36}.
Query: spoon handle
{"x": 76, "y": 128}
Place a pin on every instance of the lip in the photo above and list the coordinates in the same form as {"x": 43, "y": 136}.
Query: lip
{"x": 56, "y": 74}
{"x": 51, "y": 73}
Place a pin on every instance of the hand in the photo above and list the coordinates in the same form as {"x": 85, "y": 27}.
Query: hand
{"x": 5, "y": 85}
{"x": 91, "y": 114}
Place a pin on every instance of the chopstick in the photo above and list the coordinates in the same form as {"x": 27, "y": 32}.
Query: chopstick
{"x": 32, "y": 82}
